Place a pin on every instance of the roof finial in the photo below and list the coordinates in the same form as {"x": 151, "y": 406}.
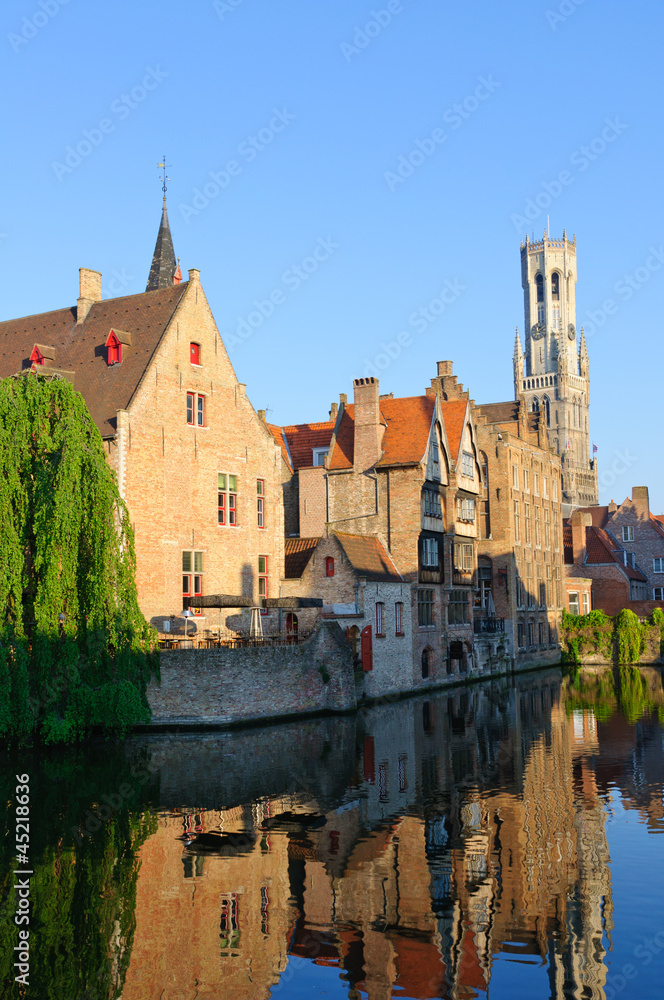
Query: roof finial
{"x": 164, "y": 180}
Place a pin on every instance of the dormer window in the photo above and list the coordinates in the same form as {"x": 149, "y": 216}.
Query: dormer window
{"x": 114, "y": 348}
{"x": 41, "y": 353}
{"x": 195, "y": 353}
{"x": 117, "y": 339}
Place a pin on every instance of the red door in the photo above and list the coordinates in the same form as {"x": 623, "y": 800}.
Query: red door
{"x": 367, "y": 649}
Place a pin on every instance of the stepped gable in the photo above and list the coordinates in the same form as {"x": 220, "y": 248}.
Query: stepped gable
{"x": 407, "y": 423}
{"x": 80, "y": 348}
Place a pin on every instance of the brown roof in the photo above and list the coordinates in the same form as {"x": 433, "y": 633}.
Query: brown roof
{"x": 298, "y": 552}
{"x": 80, "y": 349}
{"x": 600, "y": 515}
{"x": 303, "y": 438}
{"x": 454, "y": 416}
{"x": 407, "y": 427}
{"x": 369, "y": 558}
{"x": 500, "y": 413}
{"x": 567, "y": 543}
{"x": 601, "y": 548}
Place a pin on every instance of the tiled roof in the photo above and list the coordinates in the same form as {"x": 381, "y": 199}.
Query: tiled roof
{"x": 80, "y": 349}
{"x": 298, "y": 552}
{"x": 500, "y": 413}
{"x": 368, "y": 558}
{"x": 454, "y": 416}
{"x": 600, "y": 548}
{"x": 658, "y": 522}
{"x": 407, "y": 424}
{"x": 277, "y": 434}
{"x": 600, "y": 515}
{"x": 567, "y": 544}
{"x": 303, "y": 438}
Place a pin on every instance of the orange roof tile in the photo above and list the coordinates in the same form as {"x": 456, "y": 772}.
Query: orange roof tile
{"x": 407, "y": 424}
{"x": 601, "y": 548}
{"x": 454, "y": 416}
{"x": 298, "y": 552}
{"x": 368, "y": 558}
{"x": 303, "y": 438}
{"x": 278, "y": 436}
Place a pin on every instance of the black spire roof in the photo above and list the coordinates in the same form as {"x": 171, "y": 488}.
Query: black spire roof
{"x": 163, "y": 259}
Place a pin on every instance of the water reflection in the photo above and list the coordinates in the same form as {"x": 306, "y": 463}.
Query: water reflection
{"x": 449, "y": 847}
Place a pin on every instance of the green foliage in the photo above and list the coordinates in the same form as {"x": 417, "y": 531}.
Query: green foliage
{"x": 75, "y": 651}
{"x": 630, "y": 636}
{"x": 635, "y": 698}
{"x": 583, "y": 635}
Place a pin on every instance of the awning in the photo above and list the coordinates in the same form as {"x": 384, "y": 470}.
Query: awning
{"x": 218, "y": 601}
{"x": 292, "y": 603}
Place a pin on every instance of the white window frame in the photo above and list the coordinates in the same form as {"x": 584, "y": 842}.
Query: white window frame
{"x": 319, "y": 453}
{"x": 515, "y": 477}
{"x": 467, "y": 465}
{"x": 430, "y": 552}
{"x": 628, "y": 533}
{"x": 655, "y": 591}
{"x": 658, "y": 564}
{"x": 573, "y": 594}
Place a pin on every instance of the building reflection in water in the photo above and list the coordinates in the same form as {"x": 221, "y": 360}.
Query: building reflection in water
{"x": 466, "y": 829}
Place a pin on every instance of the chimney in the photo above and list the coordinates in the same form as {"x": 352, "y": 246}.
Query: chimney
{"x": 445, "y": 368}
{"x": 579, "y": 522}
{"x": 334, "y": 410}
{"x": 89, "y": 292}
{"x": 261, "y": 415}
{"x": 343, "y": 398}
{"x": 368, "y": 428}
{"x": 641, "y": 502}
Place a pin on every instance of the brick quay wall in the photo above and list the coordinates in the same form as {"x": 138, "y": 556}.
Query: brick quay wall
{"x": 225, "y": 686}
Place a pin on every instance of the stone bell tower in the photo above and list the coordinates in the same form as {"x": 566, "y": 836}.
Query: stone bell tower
{"x": 552, "y": 376}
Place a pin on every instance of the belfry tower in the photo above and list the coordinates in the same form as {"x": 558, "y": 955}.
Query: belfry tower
{"x": 552, "y": 377}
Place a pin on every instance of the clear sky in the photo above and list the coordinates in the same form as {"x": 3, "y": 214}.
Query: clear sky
{"x": 304, "y": 111}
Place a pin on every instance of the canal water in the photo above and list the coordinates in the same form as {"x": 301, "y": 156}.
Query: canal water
{"x": 504, "y": 840}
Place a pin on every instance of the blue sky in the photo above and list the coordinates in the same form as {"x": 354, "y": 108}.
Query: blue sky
{"x": 314, "y": 106}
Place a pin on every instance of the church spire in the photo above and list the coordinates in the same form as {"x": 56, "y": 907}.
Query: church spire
{"x": 164, "y": 266}
{"x": 163, "y": 259}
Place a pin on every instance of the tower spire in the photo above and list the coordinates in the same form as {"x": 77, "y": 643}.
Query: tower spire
{"x": 164, "y": 264}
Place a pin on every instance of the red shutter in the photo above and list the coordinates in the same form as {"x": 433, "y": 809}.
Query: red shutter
{"x": 369, "y": 759}
{"x": 367, "y": 649}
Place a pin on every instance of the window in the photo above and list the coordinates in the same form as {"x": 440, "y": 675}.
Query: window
{"x": 114, "y": 348}
{"x": 380, "y": 608}
{"x": 262, "y": 576}
{"x": 525, "y": 479}
{"x": 555, "y": 286}
{"x": 463, "y": 557}
{"x": 458, "y": 607}
{"x": 195, "y": 353}
{"x": 537, "y": 526}
{"x": 542, "y": 595}
{"x": 658, "y": 565}
{"x": 536, "y": 483}
{"x": 540, "y": 631}
{"x": 320, "y": 454}
{"x": 547, "y": 526}
{"x": 531, "y": 633}
{"x": 192, "y": 577}
{"x": 586, "y": 603}
{"x": 539, "y": 284}
{"x": 519, "y": 593}
{"x": 195, "y": 409}
{"x": 260, "y": 502}
{"x": 425, "y": 607}
{"x": 526, "y": 511}
{"x": 515, "y": 477}
{"x": 467, "y": 465}
{"x": 398, "y": 618}
{"x": 545, "y": 487}
{"x": 554, "y": 484}
{"x": 466, "y": 508}
{"x": 520, "y": 635}
{"x": 430, "y": 552}
{"x": 658, "y": 593}
{"x": 483, "y": 583}
{"x": 432, "y": 505}
{"x": 573, "y": 599}
{"x": 329, "y": 566}
{"x": 427, "y": 656}
{"x": 37, "y": 358}
{"x": 517, "y": 521}
{"x": 227, "y": 499}
{"x": 628, "y": 533}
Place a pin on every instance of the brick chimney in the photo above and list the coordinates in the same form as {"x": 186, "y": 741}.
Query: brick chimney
{"x": 641, "y": 502}
{"x": 446, "y": 383}
{"x": 89, "y": 292}
{"x": 368, "y": 428}
{"x": 334, "y": 410}
{"x": 579, "y": 521}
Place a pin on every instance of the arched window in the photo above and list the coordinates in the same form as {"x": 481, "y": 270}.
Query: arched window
{"x": 555, "y": 286}
{"x": 539, "y": 284}
{"x": 547, "y": 410}
{"x": 329, "y": 566}
{"x": 535, "y": 404}
{"x": 427, "y": 661}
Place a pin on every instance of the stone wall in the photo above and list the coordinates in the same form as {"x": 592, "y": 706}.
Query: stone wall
{"x": 225, "y": 686}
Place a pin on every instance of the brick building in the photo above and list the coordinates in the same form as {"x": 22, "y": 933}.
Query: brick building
{"x": 304, "y": 448}
{"x": 620, "y": 549}
{"x": 198, "y": 469}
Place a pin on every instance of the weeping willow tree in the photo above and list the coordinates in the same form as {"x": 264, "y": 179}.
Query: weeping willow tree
{"x": 75, "y": 651}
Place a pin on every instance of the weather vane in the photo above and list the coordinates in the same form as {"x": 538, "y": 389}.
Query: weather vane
{"x": 164, "y": 179}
